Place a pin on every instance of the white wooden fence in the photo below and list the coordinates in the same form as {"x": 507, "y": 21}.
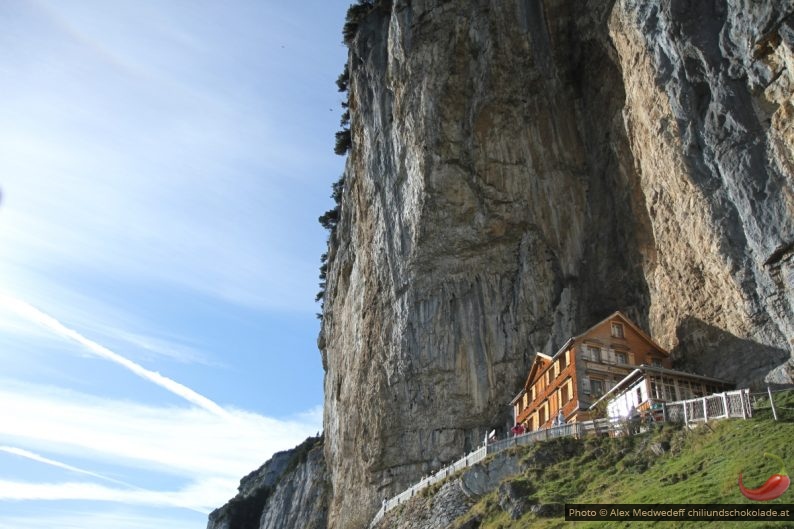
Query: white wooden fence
{"x": 466, "y": 461}
{"x": 725, "y": 405}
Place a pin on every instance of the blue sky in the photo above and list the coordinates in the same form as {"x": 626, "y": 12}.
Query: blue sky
{"x": 162, "y": 168}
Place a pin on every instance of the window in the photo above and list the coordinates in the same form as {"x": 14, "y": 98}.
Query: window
{"x": 596, "y": 387}
{"x": 617, "y": 330}
{"x": 654, "y": 390}
{"x": 595, "y": 353}
{"x": 541, "y": 415}
{"x": 656, "y": 362}
{"x": 669, "y": 389}
{"x": 565, "y": 393}
{"x": 621, "y": 358}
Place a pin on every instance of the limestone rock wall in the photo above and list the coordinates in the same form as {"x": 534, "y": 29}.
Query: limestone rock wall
{"x": 519, "y": 170}
{"x": 708, "y": 98}
{"x": 300, "y": 501}
{"x": 289, "y": 491}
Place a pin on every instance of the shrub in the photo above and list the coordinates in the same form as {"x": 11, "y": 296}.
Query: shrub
{"x": 343, "y": 80}
{"x": 343, "y": 142}
{"x": 329, "y": 219}
{"x": 355, "y": 14}
{"x": 336, "y": 190}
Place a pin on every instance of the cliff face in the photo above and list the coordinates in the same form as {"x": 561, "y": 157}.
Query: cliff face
{"x": 519, "y": 170}
{"x": 708, "y": 109}
{"x": 290, "y": 491}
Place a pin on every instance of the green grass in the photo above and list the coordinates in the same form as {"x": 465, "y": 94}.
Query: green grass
{"x": 699, "y": 466}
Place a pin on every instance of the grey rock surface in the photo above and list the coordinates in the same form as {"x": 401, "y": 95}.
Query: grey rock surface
{"x": 484, "y": 477}
{"x": 300, "y": 500}
{"x": 434, "y": 510}
{"x": 708, "y": 106}
{"x": 289, "y": 491}
{"x": 514, "y": 499}
{"x": 243, "y": 511}
{"x": 519, "y": 170}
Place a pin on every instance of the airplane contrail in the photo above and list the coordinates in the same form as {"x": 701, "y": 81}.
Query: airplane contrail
{"x": 28, "y": 311}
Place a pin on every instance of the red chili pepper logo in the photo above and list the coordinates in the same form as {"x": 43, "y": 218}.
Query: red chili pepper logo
{"x": 774, "y": 487}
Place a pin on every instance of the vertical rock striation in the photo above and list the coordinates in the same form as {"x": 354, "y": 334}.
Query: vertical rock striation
{"x": 519, "y": 170}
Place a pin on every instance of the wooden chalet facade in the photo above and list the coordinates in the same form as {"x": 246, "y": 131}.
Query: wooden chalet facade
{"x": 585, "y": 368}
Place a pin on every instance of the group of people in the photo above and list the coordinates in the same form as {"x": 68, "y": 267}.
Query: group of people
{"x": 520, "y": 429}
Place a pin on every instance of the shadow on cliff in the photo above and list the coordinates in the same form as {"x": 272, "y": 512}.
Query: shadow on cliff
{"x": 708, "y": 350}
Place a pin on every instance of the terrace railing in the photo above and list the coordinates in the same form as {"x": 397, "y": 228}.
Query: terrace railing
{"x": 724, "y": 405}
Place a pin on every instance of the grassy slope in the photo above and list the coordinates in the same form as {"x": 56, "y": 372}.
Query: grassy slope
{"x": 701, "y": 466}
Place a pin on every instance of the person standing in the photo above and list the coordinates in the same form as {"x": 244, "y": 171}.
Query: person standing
{"x": 634, "y": 420}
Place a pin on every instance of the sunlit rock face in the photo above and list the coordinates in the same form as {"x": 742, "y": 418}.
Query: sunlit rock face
{"x": 708, "y": 104}
{"x": 522, "y": 168}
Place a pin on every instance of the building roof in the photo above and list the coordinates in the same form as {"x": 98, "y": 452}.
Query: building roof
{"x": 627, "y": 321}
{"x": 520, "y": 394}
{"x": 570, "y": 341}
{"x": 537, "y": 361}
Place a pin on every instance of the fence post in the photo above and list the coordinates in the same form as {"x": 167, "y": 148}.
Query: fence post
{"x": 664, "y": 412}
{"x": 771, "y": 402}
{"x": 686, "y": 420}
{"x": 741, "y": 401}
{"x": 725, "y": 406}
{"x": 705, "y": 410}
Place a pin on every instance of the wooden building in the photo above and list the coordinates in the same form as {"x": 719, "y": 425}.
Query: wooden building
{"x": 585, "y": 368}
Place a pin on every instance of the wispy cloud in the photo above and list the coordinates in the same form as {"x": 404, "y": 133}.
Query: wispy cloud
{"x": 27, "y": 454}
{"x": 151, "y": 179}
{"x": 141, "y": 338}
{"x": 151, "y": 156}
{"x": 194, "y": 497}
{"x": 97, "y": 519}
{"x": 209, "y": 452}
{"x": 33, "y": 314}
